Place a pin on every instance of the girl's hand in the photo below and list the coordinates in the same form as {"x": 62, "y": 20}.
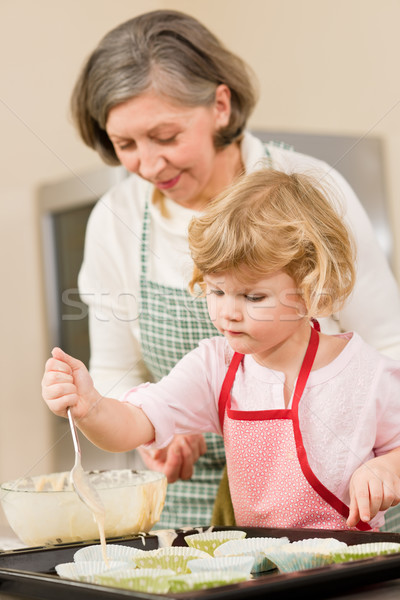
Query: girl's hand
{"x": 66, "y": 383}
{"x": 373, "y": 487}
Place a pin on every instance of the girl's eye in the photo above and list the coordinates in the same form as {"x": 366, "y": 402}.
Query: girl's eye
{"x": 216, "y": 292}
{"x": 255, "y": 298}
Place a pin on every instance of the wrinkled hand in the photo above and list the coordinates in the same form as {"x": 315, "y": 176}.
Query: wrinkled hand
{"x": 66, "y": 383}
{"x": 373, "y": 487}
{"x": 176, "y": 460}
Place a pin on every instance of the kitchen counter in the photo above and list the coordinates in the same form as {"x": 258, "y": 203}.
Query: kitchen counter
{"x": 389, "y": 590}
{"x": 8, "y": 539}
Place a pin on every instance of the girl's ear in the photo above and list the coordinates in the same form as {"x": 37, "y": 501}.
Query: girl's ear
{"x": 222, "y": 106}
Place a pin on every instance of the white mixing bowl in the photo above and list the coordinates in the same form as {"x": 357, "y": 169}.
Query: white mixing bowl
{"x": 46, "y": 510}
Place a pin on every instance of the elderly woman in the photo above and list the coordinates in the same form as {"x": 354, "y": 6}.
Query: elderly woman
{"x": 163, "y": 97}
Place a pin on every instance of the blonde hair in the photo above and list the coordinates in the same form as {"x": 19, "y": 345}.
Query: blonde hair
{"x": 270, "y": 221}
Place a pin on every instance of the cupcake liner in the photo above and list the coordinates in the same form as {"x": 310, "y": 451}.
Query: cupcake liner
{"x": 143, "y": 580}
{"x": 208, "y": 541}
{"x": 206, "y": 579}
{"x": 304, "y": 554}
{"x": 147, "y": 559}
{"x": 174, "y": 558}
{"x": 255, "y": 547}
{"x": 239, "y": 564}
{"x": 87, "y": 570}
{"x": 113, "y": 552}
{"x": 288, "y": 558}
{"x": 322, "y": 545}
{"x": 360, "y": 551}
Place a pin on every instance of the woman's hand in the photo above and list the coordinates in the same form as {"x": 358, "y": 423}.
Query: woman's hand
{"x": 374, "y": 486}
{"x": 176, "y": 460}
{"x": 66, "y": 383}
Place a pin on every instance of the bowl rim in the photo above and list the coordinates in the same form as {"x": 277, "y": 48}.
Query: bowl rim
{"x": 11, "y": 485}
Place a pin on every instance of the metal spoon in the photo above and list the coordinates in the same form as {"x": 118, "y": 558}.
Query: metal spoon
{"x": 85, "y": 490}
{"x": 80, "y": 481}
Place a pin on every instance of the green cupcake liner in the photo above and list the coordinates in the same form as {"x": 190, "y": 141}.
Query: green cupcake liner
{"x": 210, "y": 540}
{"x": 360, "y": 551}
{"x": 142, "y": 580}
{"x": 175, "y": 558}
{"x": 204, "y": 580}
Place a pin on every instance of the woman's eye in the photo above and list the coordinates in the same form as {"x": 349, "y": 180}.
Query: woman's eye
{"x": 167, "y": 140}
{"x": 125, "y": 145}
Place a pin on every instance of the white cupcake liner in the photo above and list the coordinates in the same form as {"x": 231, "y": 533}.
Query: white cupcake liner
{"x": 255, "y": 547}
{"x": 175, "y": 558}
{"x": 143, "y": 580}
{"x": 304, "y": 554}
{"x": 113, "y": 552}
{"x": 289, "y": 559}
{"x": 239, "y": 564}
{"x": 360, "y": 551}
{"x": 208, "y": 541}
{"x": 87, "y": 570}
{"x": 322, "y": 545}
{"x": 204, "y": 580}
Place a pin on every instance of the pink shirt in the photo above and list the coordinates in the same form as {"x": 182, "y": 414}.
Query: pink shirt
{"x": 349, "y": 412}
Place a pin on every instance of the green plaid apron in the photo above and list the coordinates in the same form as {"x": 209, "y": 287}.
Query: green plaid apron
{"x": 392, "y": 520}
{"x": 172, "y": 323}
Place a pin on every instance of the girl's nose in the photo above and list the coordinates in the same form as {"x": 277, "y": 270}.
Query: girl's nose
{"x": 230, "y": 310}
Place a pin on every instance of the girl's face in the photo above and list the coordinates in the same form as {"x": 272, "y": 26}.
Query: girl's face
{"x": 171, "y": 145}
{"x": 261, "y": 318}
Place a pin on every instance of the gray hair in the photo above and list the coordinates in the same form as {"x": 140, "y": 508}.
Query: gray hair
{"x": 171, "y": 53}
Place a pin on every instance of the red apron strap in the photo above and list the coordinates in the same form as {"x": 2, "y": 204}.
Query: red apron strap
{"x": 326, "y": 494}
{"x": 306, "y": 367}
{"x": 301, "y": 381}
{"x": 315, "y": 324}
{"x": 227, "y": 386}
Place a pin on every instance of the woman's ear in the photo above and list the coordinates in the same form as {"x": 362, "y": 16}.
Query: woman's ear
{"x": 222, "y": 106}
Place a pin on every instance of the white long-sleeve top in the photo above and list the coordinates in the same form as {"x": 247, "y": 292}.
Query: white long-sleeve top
{"x": 109, "y": 276}
{"x": 348, "y": 413}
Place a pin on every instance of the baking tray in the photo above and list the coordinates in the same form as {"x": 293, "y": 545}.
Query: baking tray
{"x": 30, "y": 572}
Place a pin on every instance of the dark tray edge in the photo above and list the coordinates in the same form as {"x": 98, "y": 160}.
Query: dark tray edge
{"x": 323, "y": 581}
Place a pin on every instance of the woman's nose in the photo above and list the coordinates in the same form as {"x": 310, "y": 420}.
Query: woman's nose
{"x": 150, "y": 164}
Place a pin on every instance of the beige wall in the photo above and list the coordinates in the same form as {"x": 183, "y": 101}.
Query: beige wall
{"x": 324, "y": 66}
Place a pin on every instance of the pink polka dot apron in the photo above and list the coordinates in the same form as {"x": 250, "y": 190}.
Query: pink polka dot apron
{"x": 270, "y": 479}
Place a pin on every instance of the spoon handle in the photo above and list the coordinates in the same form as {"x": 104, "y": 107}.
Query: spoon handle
{"x": 74, "y": 432}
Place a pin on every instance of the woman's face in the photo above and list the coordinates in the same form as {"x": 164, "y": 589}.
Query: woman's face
{"x": 171, "y": 145}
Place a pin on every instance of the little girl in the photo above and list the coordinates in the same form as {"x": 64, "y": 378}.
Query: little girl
{"x": 311, "y": 422}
